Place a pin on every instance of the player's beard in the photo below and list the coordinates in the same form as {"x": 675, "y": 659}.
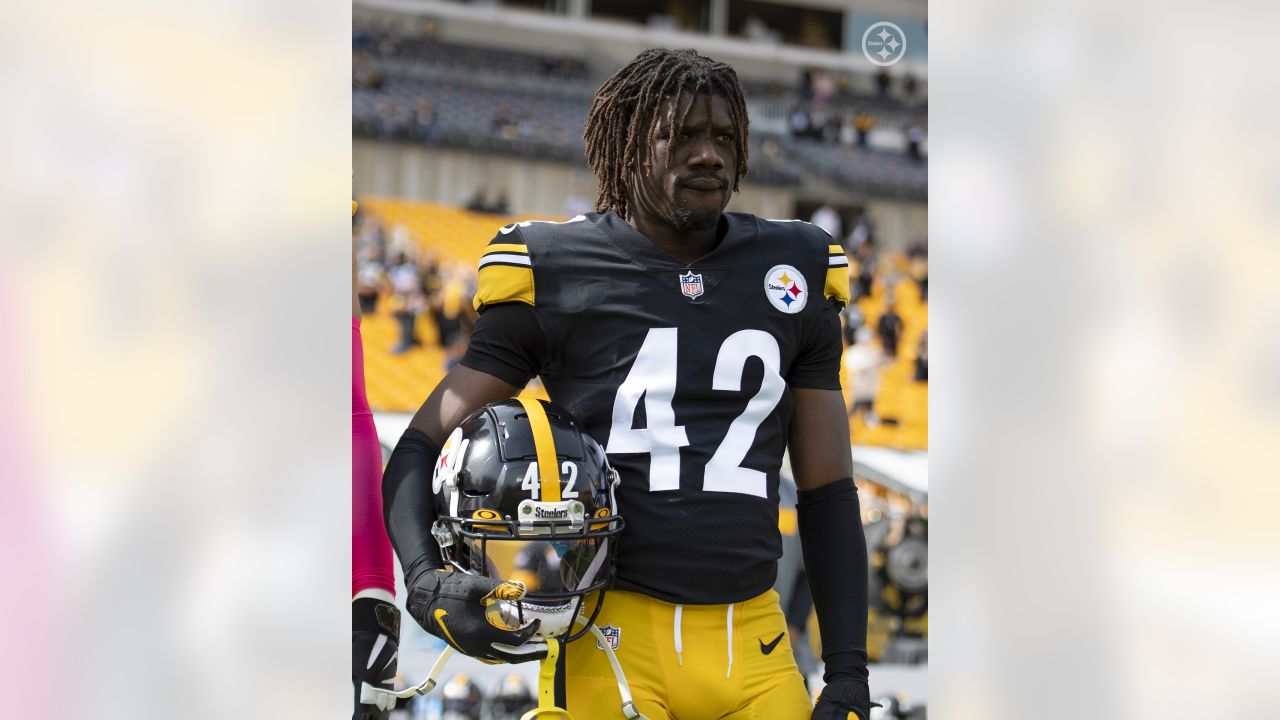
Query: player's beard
{"x": 685, "y": 219}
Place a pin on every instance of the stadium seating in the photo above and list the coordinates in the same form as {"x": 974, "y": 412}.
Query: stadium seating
{"x": 498, "y": 101}
{"x": 901, "y": 398}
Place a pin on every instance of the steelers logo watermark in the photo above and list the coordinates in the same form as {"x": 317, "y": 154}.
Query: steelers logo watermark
{"x": 884, "y": 43}
{"x": 786, "y": 289}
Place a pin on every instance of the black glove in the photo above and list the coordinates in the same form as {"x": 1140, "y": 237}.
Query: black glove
{"x": 842, "y": 697}
{"x": 451, "y": 606}
{"x": 375, "y": 637}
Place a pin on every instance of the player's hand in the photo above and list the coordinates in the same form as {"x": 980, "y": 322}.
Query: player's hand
{"x": 375, "y": 638}
{"x": 843, "y": 700}
{"x": 452, "y": 605}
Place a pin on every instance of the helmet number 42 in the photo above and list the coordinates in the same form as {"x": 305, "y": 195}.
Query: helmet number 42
{"x": 532, "y": 481}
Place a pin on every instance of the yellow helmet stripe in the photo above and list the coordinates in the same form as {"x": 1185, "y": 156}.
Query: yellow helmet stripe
{"x": 545, "y": 446}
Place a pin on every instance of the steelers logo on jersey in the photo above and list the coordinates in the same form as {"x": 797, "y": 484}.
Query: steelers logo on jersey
{"x": 786, "y": 289}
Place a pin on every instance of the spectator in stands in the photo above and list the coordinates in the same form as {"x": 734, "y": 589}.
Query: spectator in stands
{"x": 400, "y": 243}
{"x": 827, "y": 218}
{"x": 922, "y": 358}
{"x": 501, "y": 206}
{"x": 910, "y": 86}
{"x": 889, "y": 328}
{"x": 771, "y": 150}
{"x": 364, "y": 74}
{"x": 525, "y": 127}
{"x": 386, "y": 120}
{"x": 818, "y": 120}
{"x": 865, "y": 258}
{"x": 915, "y": 137}
{"x": 503, "y": 125}
{"x": 424, "y": 119}
{"x": 824, "y": 87}
{"x": 753, "y": 28}
{"x": 918, "y": 268}
{"x": 451, "y": 313}
{"x": 407, "y": 301}
{"x": 864, "y": 363}
{"x": 479, "y": 201}
{"x": 863, "y": 121}
{"x": 882, "y": 84}
{"x": 860, "y": 235}
{"x": 799, "y": 123}
{"x": 805, "y": 88}
{"x": 848, "y": 134}
{"x": 371, "y": 279}
{"x": 854, "y": 320}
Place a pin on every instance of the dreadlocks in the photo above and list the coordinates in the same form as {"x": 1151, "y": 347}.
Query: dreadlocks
{"x": 623, "y": 122}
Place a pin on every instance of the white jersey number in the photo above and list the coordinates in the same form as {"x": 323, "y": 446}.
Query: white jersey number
{"x": 653, "y": 376}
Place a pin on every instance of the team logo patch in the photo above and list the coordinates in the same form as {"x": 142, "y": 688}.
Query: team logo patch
{"x": 613, "y": 635}
{"x": 691, "y": 284}
{"x": 786, "y": 289}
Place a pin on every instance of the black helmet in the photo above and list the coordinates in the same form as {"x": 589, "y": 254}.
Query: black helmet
{"x": 522, "y": 494}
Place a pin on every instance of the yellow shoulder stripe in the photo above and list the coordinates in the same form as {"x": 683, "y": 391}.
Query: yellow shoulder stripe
{"x": 503, "y": 283}
{"x": 545, "y": 446}
{"x": 835, "y": 250}
{"x": 837, "y": 287}
{"x": 507, "y": 248}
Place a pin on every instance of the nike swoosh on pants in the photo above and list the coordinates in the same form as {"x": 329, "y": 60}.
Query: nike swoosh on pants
{"x": 766, "y": 649}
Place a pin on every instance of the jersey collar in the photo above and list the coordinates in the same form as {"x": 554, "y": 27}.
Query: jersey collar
{"x": 643, "y": 252}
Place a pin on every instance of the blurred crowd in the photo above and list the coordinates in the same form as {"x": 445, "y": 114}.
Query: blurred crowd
{"x": 876, "y": 345}
{"x": 408, "y": 280}
{"x": 827, "y": 110}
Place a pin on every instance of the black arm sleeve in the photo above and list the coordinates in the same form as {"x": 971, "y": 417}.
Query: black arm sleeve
{"x": 835, "y": 560}
{"x": 507, "y": 343}
{"x": 818, "y": 365}
{"x": 408, "y": 507}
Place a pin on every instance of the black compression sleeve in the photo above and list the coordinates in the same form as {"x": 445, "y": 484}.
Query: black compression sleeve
{"x": 408, "y": 507}
{"x": 507, "y": 343}
{"x": 835, "y": 560}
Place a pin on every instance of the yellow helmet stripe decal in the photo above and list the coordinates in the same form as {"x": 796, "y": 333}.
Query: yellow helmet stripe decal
{"x": 545, "y": 446}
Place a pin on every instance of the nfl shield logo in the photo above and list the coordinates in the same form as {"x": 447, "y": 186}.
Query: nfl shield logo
{"x": 691, "y": 285}
{"x": 612, "y": 634}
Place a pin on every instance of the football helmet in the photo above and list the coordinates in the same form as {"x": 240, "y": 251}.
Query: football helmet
{"x": 523, "y": 495}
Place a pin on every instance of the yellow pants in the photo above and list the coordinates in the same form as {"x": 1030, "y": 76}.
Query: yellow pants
{"x": 689, "y": 662}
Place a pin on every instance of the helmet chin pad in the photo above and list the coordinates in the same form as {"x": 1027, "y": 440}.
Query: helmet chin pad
{"x": 556, "y": 619}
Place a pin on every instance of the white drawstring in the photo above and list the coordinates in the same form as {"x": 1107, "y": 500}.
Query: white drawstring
{"x": 679, "y": 640}
{"x": 729, "y": 623}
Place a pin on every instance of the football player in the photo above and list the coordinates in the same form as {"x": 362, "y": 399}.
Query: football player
{"x": 375, "y": 621}
{"x": 695, "y": 346}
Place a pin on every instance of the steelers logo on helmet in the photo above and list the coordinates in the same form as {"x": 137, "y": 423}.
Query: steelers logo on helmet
{"x": 450, "y": 458}
{"x": 528, "y": 497}
{"x": 786, "y": 289}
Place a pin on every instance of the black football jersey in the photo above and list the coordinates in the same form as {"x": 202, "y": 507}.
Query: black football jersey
{"x": 682, "y": 373}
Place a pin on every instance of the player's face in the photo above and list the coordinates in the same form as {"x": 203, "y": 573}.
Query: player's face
{"x": 689, "y": 192}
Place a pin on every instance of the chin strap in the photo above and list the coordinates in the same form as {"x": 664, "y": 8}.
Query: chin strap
{"x": 369, "y": 694}
{"x": 546, "y": 709}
